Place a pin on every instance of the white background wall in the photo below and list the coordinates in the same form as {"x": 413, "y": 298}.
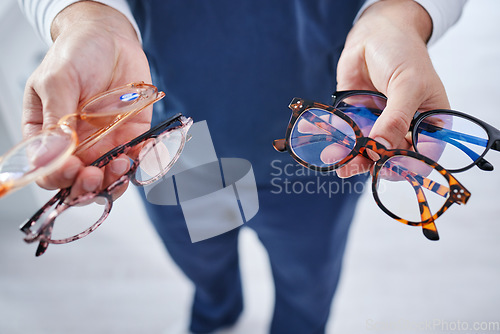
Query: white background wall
{"x": 21, "y": 52}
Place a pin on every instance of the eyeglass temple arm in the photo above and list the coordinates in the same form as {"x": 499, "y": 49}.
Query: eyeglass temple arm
{"x": 153, "y": 132}
{"x": 428, "y": 229}
{"x": 496, "y": 145}
{"x": 421, "y": 181}
{"x": 439, "y": 133}
{"x": 59, "y": 197}
{"x": 47, "y": 232}
{"x": 366, "y": 112}
{"x": 458, "y": 196}
{"x": 431, "y": 130}
{"x": 43, "y": 245}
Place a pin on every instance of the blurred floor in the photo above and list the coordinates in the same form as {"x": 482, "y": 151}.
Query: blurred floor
{"x": 119, "y": 279}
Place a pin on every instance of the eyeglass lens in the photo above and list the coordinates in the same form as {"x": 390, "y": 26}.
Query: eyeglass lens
{"x": 364, "y": 109}
{"x": 102, "y": 110}
{"x": 451, "y": 140}
{"x": 31, "y": 158}
{"x": 77, "y": 219}
{"x": 45, "y": 152}
{"x": 155, "y": 157}
{"x": 158, "y": 155}
{"x": 455, "y": 142}
{"x": 321, "y": 138}
{"x": 404, "y": 182}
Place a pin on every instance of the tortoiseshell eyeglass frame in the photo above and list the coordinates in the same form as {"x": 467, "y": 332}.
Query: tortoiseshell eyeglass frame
{"x": 59, "y": 203}
{"x": 457, "y": 192}
{"x": 478, "y": 160}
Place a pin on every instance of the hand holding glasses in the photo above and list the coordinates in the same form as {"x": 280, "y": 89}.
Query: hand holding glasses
{"x": 44, "y": 153}
{"x": 325, "y": 138}
{"x": 454, "y": 139}
{"x": 155, "y": 151}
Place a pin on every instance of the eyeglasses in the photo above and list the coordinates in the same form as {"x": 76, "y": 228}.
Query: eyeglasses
{"x": 47, "y": 151}
{"x": 454, "y": 139}
{"x": 62, "y": 220}
{"x": 324, "y": 138}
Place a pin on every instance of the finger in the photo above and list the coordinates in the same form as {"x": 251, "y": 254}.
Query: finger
{"x": 51, "y": 92}
{"x": 32, "y": 117}
{"x": 115, "y": 169}
{"x": 89, "y": 179}
{"x": 59, "y": 96}
{"x": 358, "y": 165}
{"x": 64, "y": 176}
{"x": 392, "y": 126}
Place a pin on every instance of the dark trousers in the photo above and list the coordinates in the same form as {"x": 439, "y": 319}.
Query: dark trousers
{"x": 304, "y": 234}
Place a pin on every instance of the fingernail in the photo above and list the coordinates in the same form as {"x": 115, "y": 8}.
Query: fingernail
{"x": 70, "y": 172}
{"x": 373, "y": 155}
{"x": 119, "y": 166}
{"x": 383, "y": 142}
{"x": 347, "y": 171}
{"x": 91, "y": 183}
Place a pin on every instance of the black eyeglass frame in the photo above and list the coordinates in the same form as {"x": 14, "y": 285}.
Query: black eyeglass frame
{"x": 492, "y": 132}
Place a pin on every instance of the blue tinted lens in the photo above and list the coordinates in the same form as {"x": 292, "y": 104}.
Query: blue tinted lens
{"x": 453, "y": 141}
{"x": 321, "y": 139}
{"x": 364, "y": 109}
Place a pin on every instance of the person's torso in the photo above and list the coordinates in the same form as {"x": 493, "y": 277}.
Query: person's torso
{"x": 238, "y": 64}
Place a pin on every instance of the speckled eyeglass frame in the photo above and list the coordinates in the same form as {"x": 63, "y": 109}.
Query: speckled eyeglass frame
{"x": 138, "y": 147}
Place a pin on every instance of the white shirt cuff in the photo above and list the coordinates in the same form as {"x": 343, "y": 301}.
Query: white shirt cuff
{"x": 41, "y": 13}
{"x": 443, "y": 13}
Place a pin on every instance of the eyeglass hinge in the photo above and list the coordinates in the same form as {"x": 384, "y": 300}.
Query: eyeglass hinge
{"x": 459, "y": 195}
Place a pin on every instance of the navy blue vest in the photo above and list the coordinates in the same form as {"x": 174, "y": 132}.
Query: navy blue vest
{"x": 238, "y": 64}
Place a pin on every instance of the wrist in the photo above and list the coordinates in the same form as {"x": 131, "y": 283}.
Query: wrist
{"x": 93, "y": 14}
{"x": 407, "y": 15}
